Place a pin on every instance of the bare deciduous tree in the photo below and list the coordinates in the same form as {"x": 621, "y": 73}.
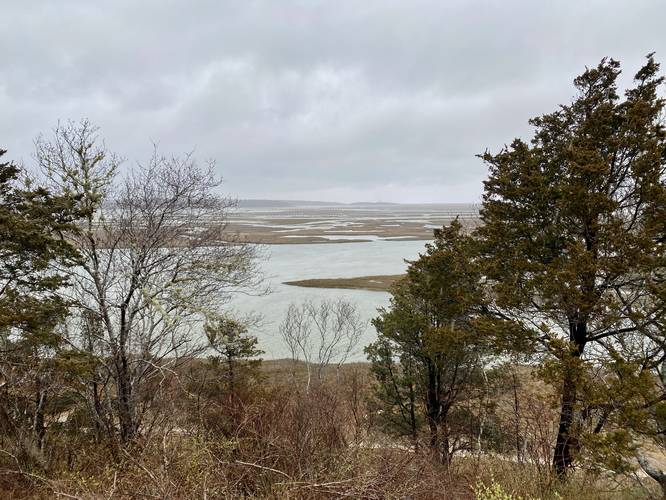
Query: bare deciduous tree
{"x": 322, "y": 333}
{"x": 155, "y": 262}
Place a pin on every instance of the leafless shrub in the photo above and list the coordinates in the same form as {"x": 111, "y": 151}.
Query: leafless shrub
{"x": 156, "y": 261}
{"x": 322, "y": 333}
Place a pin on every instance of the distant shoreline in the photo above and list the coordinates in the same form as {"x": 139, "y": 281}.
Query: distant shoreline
{"x": 321, "y": 240}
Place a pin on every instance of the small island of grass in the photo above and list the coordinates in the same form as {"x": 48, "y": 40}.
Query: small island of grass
{"x": 381, "y": 283}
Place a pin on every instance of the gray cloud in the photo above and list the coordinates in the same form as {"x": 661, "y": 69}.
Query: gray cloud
{"x": 342, "y": 100}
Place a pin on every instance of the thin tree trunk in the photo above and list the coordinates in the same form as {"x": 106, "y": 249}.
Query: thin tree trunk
{"x": 38, "y": 425}
{"x": 232, "y": 378}
{"x": 445, "y": 446}
{"x": 124, "y": 389}
{"x": 128, "y": 427}
{"x": 412, "y": 416}
{"x": 433, "y": 410}
{"x": 516, "y": 416}
{"x": 482, "y": 406}
{"x": 307, "y": 385}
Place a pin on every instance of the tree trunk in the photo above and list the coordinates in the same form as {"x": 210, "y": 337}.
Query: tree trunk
{"x": 483, "y": 406}
{"x": 39, "y": 426}
{"x": 412, "y": 416}
{"x": 434, "y": 436}
{"x": 128, "y": 427}
{"x": 445, "y": 448}
{"x": 516, "y": 417}
{"x": 309, "y": 380}
{"x": 125, "y": 406}
{"x": 433, "y": 410}
{"x": 231, "y": 376}
{"x": 566, "y": 443}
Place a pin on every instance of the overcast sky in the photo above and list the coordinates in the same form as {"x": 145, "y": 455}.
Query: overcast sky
{"x": 334, "y": 100}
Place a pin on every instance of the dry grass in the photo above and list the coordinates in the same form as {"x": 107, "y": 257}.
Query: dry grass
{"x": 283, "y": 441}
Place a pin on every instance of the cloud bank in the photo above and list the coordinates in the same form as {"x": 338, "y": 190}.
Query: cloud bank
{"x": 330, "y": 100}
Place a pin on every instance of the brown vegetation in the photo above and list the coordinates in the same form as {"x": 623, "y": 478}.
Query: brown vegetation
{"x": 382, "y": 283}
{"x": 278, "y": 440}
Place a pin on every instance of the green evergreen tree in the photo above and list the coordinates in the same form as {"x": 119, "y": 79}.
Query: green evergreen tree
{"x": 428, "y": 355}
{"x": 573, "y": 227}
{"x": 32, "y": 246}
{"x": 228, "y": 380}
{"x": 237, "y": 355}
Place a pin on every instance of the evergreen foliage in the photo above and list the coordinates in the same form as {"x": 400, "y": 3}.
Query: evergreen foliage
{"x": 32, "y": 247}
{"x": 428, "y": 356}
{"x": 573, "y": 232}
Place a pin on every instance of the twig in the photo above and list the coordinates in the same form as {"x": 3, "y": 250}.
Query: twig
{"x": 249, "y": 464}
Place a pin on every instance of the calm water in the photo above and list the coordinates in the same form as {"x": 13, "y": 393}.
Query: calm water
{"x": 339, "y": 260}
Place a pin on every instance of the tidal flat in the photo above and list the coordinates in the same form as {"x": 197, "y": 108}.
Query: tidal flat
{"x": 274, "y": 223}
{"x": 318, "y": 251}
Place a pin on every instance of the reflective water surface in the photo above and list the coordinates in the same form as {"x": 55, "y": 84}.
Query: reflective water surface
{"x": 336, "y": 260}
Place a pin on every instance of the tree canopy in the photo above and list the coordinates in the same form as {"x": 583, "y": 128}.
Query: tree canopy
{"x": 573, "y": 228}
{"x": 428, "y": 355}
